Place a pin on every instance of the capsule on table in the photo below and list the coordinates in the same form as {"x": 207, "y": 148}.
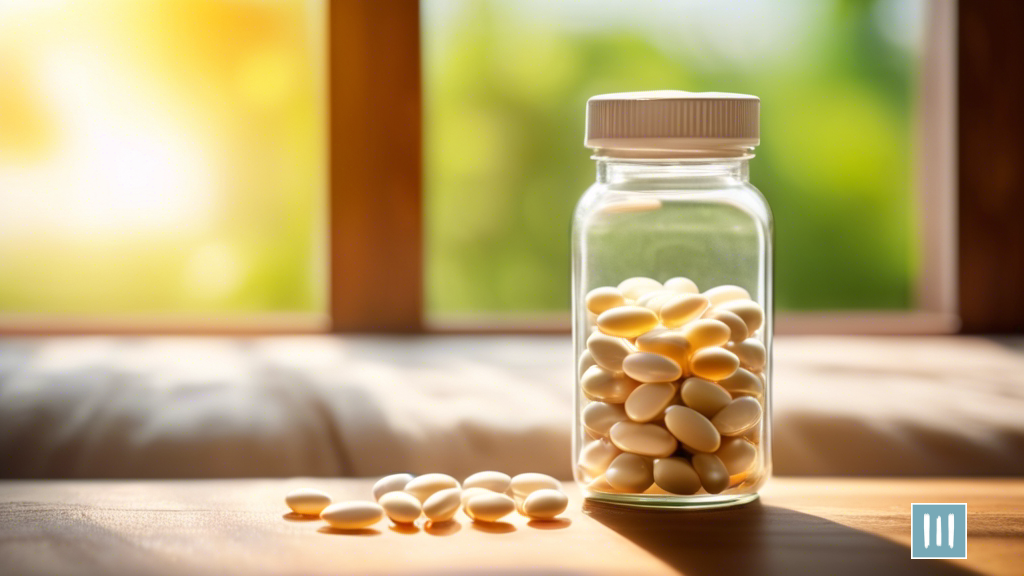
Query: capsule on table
{"x": 491, "y": 480}
{"x": 422, "y": 487}
{"x": 545, "y": 504}
{"x": 489, "y": 507}
{"x": 352, "y": 515}
{"x": 441, "y": 506}
{"x": 401, "y": 507}
{"x": 307, "y": 501}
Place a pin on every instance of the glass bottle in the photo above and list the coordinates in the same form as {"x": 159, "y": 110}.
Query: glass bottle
{"x": 672, "y": 304}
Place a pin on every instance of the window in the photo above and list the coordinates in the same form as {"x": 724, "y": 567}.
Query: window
{"x": 842, "y": 113}
{"x": 163, "y": 161}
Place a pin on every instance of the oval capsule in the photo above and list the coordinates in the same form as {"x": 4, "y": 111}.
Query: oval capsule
{"x": 737, "y": 327}
{"x": 489, "y": 507}
{"x": 743, "y": 383}
{"x": 751, "y": 353}
{"x": 668, "y": 343}
{"x": 739, "y": 416}
{"x": 307, "y": 501}
{"x": 713, "y": 363}
{"x": 391, "y": 483}
{"x": 705, "y": 333}
{"x": 704, "y": 396}
{"x": 748, "y": 310}
{"x": 545, "y": 504}
{"x": 649, "y": 400}
{"x": 676, "y": 476}
{"x": 604, "y": 298}
{"x": 491, "y": 480}
{"x": 690, "y": 427}
{"x": 655, "y": 300}
{"x": 469, "y": 493}
{"x": 682, "y": 309}
{"x": 650, "y": 367}
{"x": 681, "y": 285}
{"x": 596, "y": 456}
{"x": 586, "y": 361}
{"x": 401, "y": 507}
{"x": 627, "y": 321}
{"x": 636, "y": 287}
{"x": 599, "y": 417}
{"x": 725, "y": 293}
{"x": 442, "y": 505}
{"x": 607, "y": 351}
{"x": 422, "y": 487}
{"x": 352, "y": 515}
{"x": 737, "y": 454}
{"x": 528, "y": 482}
{"x": 644, "y": 439}
{"x": 713, "y": 475}
{"x": 630, "y": 473}
{"x": 600, "y": 384}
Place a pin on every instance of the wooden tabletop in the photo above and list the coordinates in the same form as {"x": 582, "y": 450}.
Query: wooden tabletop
{"x": 800, "y": 526}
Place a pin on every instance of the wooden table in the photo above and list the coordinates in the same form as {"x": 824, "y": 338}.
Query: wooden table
{"x": 800, "y": 526}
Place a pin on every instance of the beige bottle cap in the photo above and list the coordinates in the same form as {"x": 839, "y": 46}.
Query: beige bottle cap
{"x": 673, "y": 123}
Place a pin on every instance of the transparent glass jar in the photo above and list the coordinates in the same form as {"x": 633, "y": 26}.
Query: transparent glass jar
{"x": 672, "y": 306}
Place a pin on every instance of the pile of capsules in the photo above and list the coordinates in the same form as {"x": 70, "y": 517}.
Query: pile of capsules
{"x": 673, "y": 381}
{"x": 404, "y": 498}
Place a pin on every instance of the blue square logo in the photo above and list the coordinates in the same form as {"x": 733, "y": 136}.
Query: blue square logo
{"x": 938, "y": 531}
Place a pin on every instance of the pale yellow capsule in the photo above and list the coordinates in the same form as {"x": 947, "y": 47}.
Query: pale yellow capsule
{"x": 637, "y": 286}
{"x": 692, "y": 428}
{"x": 754, "y": 435}
{"x": 748, "y": 310}
{"x": 599, "y": 417}
{"x": 489, "y": 507}
{"x": 649, "y": 400}
{"x": 390, "y": 483}
{"x": 743, "y": 383}
{"x": 655, "y": 300}
{"x": 491, "y": 480}
{"x": 604, "y": 298}
{"x": 704, "y": 396}
{"x": 596, "y": 456}
{"x": 607, "y": 351}
{"x": 529, "y": 482}
{"x": 630, "y": 473}
{"x": 737, "y": 327}
{"x": 650, "y": 367}
{"x": 682, "y": 309}
{"x": 469, "y": 493}
{"x": 586, "y": 361}
{"x": 422, "y": 487}
{"x": 739, "y": 416}
{"x": 627, "y": 321}
{"x": 713, "y": 475}
{"x": 600, "y": 384}
{"x": 725, "y": 293}
{"x": 713, "y": 363}
{"x": 442, "y": 505}
{"x": 352, "y": 515}
{"x": 307, "y": 501}
{"x": 705, "y": 333}
{"x": 751, "y": 353}
{"x": 545, "y": 504}
{"x": 643, "y": 439}
{"x": 600, "y": 485}
{"x": 668, "y": 343}
{"x": 682, "y": 285}
{"x": 676, "y": 476}
{"x": 737, "y": 455}
{"x": 401, "y": 507}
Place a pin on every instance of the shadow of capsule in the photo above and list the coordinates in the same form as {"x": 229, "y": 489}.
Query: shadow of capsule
{"x": 353, "y": 532}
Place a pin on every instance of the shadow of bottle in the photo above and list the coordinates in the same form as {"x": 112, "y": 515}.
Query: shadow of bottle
{"x": 764, "y": 540}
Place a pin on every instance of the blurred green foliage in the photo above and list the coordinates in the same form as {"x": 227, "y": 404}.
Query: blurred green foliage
{"x": 505, "y": 87}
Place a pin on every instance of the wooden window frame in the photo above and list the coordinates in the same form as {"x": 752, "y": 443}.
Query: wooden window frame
{"x": 973, "y": 273}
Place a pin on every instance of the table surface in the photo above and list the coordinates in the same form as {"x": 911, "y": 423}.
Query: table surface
{"x": 800, "y": 526}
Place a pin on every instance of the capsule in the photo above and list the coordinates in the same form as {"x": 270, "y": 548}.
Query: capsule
{"x": 607, "y": 351}
{"x": 748, "y": 310}
{"x": 307, "y": 501}
{"x": 713, "y": 475}
{"x": 682, "y": 308}
{"x": 737, "y": 454}
{"x": 737, "y": 327}
{"x": 671, "y": 344}
{"x": 751, "y": 353}
{"x": 713, "y": 363}
{"x": 725, "y": 293}
{"x": 650, "y": 367}
{"x": 739, "y": 416}
{"x": 489, "y": 507}
{"x": 704, "y": 396}
{"x": 545, "y": 504}
{"x": 529, "y": 482}
{"x": 493, "y": 481}
{"x": 604, "y": 298}
{"x": 676, "y": 476}
{"x": 442, "y": 505}
{"x": 596, "y": 456}
{"x": 705, "y": 333}
{"x": 627, "y": 321}
{"x": 422, "y": 487}
{"x": 692, "y": 429}
{"x": 644, "y": 439}
{"x": 600, "y": 384}
{"x": 743, "y": 383}
{"x": 352, "y": 515}
{"x": 681, "y": 285}
{"x": 630, "y": 473}
{"x": 392, "y": 483}
{"x": 636, "y": 287}
{"x": 400, "y": 507}
{"x": 649, "y": 400}
{"x": 599, "y": 417}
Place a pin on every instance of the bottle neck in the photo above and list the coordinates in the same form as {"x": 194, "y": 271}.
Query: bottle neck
{"x": 619, "y": 170}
